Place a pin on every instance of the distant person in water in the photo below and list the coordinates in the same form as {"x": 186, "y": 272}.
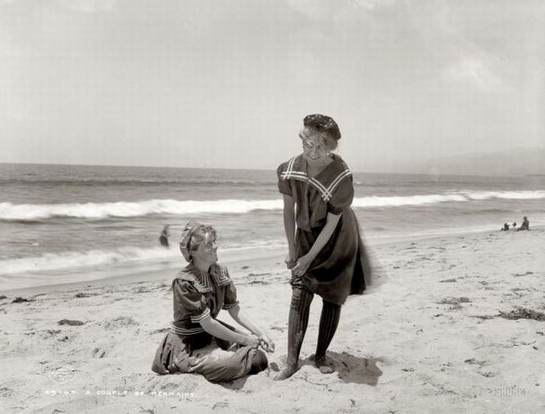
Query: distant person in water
{"x": 163, "y": 238}
{"x": 505, "y": 227}
{"x": 525, "y": 224}
{"x": 514, "y": 225}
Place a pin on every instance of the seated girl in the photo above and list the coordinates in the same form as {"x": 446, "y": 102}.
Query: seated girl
{"x": 197, "y": 342}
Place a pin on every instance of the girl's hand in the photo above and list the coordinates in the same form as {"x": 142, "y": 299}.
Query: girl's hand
{"x": 302, "y": 265}
{"x": 252, "y": 341}
{"x": 290, "y": 262}
{"x": 266, "y": 343}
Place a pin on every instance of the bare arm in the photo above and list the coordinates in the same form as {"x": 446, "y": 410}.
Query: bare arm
{"x": 217, "y": 330}
{"x": 289, "y": 224}
{"x": 331, "y": 223}
{"x": 304, "y": 262}
{"x": 243, "y": 320}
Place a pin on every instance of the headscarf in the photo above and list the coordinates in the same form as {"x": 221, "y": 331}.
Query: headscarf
{"x": 192, "y": 236}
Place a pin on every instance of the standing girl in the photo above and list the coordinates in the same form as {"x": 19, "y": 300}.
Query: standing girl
{"x": 326, "y": 253}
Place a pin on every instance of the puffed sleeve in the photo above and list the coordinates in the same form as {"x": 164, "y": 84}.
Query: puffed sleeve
{"x": 284, "y": 186}
{"x": 192, "y": 301}
{"x": 342, "y": 196}
{"x": 230, "y": 300}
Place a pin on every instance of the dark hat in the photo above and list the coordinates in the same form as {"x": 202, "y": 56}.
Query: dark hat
{"x": 323, "y": 123}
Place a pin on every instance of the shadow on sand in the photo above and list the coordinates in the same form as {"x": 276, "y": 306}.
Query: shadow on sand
{"x": 352, "y": 369}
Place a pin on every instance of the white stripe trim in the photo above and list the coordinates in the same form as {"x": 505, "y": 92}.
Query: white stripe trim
{"x": 326, "y": 193}
{"x": 338, "y": 180}
{"x": 201, "y": 317}
{"x": 339, "y": 177}
{"x": 231, "y": 306}
{"x": 185, "y": 331}
{"x": 290, "y": 164}
{"x": 286, "y": 174}
{"x": 303, "y": 176}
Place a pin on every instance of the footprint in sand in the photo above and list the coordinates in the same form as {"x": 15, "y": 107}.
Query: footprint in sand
{"x": 488, "y": 374}
{"x": 120, "y": 322}
{"x": 98, "y": 353}
{"x": 278, "y": 328}
{"x": 6, "y": 392}
{"x": 522, "y": 274}
{"x": 473, "y": 361}
{"x": 70, "y": 322}
{"x": 84, "y": 295}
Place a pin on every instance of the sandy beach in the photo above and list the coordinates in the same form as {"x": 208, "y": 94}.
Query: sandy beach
{"x": 458, "y": 327}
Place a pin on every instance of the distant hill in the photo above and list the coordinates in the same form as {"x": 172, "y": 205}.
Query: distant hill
{"x": 519, "y": 161}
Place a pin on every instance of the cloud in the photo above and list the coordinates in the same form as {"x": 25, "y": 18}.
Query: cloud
{"x": 88, "y": 6}
{"x": 317, "y": 10}
{"x": 373, "y": 4}
{"x": 475, "y": 72}
{"x": 331, "y": 10}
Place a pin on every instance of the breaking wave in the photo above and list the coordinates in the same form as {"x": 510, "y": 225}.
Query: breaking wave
{"x": 37, "y": 212}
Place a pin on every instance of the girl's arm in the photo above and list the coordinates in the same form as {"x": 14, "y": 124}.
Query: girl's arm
{"x": 217, "y": 330}
{"x": 243, "y": 320}
{"x": 304, "y": 262}
{"x": 289, "y": 226}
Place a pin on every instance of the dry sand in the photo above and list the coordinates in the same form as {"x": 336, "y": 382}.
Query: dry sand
{"x": 432, "y": 339}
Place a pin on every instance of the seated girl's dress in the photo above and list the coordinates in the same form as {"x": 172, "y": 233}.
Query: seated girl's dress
{"x": 187, "y": 347}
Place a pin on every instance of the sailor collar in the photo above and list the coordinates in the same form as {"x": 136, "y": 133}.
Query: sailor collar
{"x": 203, "y": 281}
{"x": 325, "y": 182}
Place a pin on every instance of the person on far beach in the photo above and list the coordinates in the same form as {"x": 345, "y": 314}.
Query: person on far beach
{"x": 326, "y": 254}
{"x": 197, "y": 342}
{"x": 525, "y": 224}
{"x": 163, "y": 238}
{"x": 505, "y": 227}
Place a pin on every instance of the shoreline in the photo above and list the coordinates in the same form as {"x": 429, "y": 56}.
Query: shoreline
{"x": 254, "y": 255}
{"x": 140, "y": 276}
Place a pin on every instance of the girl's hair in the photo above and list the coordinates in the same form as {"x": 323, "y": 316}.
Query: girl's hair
{"x": 199, "y": 235}
{"x": 326, "y": 127}
{"x": 327, "y": 141}
{"x": 192, "y": 236}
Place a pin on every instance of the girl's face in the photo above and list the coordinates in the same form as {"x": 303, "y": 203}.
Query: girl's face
{"x": 206, "y": 252}
{"x": 313, "y": 148}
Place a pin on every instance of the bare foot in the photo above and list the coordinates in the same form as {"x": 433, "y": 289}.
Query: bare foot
{"x": 323, "y": 365}
{"x": 286, "y": 373}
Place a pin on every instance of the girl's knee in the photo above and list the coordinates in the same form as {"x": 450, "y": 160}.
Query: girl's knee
{"x": 259, "y": 362}
{"x": 300, "y": 296}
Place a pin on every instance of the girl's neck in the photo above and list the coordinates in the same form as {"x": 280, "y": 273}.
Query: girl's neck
{"x": 316, "y": 166}
{"x": 201, "y": 266}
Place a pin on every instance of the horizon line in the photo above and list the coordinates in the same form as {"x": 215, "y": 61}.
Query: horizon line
{"x": 250, "y": 169}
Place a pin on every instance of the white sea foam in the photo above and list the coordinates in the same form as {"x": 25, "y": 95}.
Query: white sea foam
{"x": 506, "y": 195}
{"x": 397, "y": 201}
{"x": 92, "y": 258}
{"x": 122, "y": 256}
{"x": 23, "y": 212}
{"x": 35, "y": 212}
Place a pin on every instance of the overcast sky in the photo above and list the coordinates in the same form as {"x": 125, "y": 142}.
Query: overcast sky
{"x": 227, "y": 83}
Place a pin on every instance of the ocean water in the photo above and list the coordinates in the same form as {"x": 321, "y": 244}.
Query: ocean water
{"x": 58, "y": 222}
